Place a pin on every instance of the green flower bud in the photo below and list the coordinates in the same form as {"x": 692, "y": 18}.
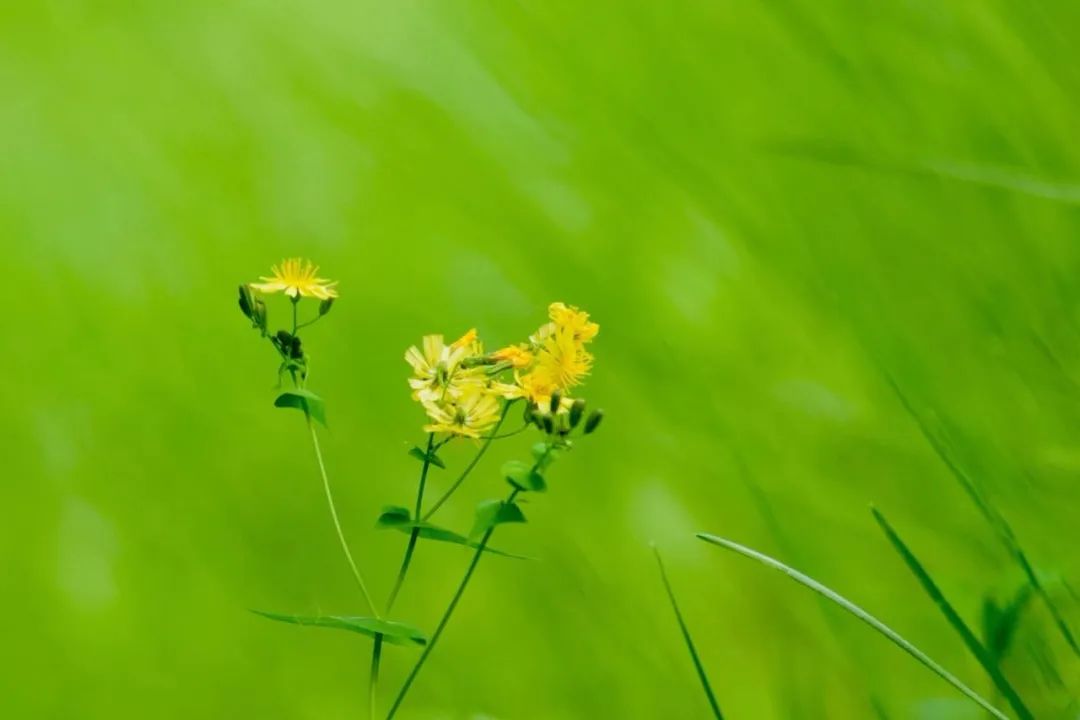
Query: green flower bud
{"x": 549, "y": 424}
{"x": 556, "y": 401}
{"x": 325, "y": 305}
{"x": 594, "y": 421}
{"x": 259, "y": 315}
{"x": 247, "y": 302}
{"x": 577, "y": 411}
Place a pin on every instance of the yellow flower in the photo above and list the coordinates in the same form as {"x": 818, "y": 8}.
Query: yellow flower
{"x": 574, "y": 321}
{"x": 468, "y": 416}
{"x": 561, "y": 360}
{"x": 519, "y": 356}
{"x": 437, "y": 369}
{"x": 297, "y": 278}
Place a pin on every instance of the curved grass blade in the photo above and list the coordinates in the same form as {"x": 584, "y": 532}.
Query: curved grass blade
{"x": 970, "y": 640}
{"x": 689, "y": 642}
{"x": 858, "y": 612}
{"x": 391, "y": 632}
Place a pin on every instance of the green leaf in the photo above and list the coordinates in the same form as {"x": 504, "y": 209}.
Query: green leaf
{"x": 545, "y": 454}
{"x": 311, "y": 404}
{"x": 422, "y": 456}
{"x": 397, "y": 518}
{"x": 490, "y": 513}
{"x": 393, "y": 516}
{"x": 393, "y": 632}
{"x": 523, "y": 476}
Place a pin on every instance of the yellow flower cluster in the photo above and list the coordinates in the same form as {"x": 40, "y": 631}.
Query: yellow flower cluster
{"x": 459, "y": 385}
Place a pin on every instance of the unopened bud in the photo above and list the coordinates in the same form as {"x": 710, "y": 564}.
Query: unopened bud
{"x": 594, "y": 421}
{"x": 259, "y": 315}
{"x": 549, "y": 424}
{"x": 247, "y": 302}
{"x": 556, "y": 401}
{"x": 325, "y": 305}
{"x": 577, "y": 411}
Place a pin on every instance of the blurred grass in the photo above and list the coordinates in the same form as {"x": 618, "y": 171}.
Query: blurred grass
{"x": 761, "y": 204}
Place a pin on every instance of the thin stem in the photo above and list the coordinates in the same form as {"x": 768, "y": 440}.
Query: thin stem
{"x": 337, "y": 522}
{"x": 373, "y": 682}
{"x": 858, "y": 612}
{"x": 468, "y": 468}
{"x": 689, "y": 642}
{"x": 976, "y": 648}
{"x": 295, "y": 303}
{"x": 446, "y": 616}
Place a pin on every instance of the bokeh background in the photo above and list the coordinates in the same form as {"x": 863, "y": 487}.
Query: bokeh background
{"x": 771, "y": 208}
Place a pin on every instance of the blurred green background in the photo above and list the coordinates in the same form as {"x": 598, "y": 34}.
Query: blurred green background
{"x": 770, "y": 208}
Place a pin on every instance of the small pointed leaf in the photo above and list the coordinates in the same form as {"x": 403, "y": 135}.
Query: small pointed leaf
{"x": 393, "y": 516}
{"x": 421, "y": 456}
{"x": 490, "y": 513}
{"x": 394, "y": 632}
{"x": 523, "y": 476}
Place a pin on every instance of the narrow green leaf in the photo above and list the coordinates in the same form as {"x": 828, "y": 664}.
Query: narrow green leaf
{"x": 427, "y": 531}
{"x": 304, "y": 400}
{"x": 393, "y": 632}
{"x": 970, "y": 641}
{"x": 522, "y": 476}
{"x": 709, "y": 695}
{"x": 421, "y": 456}
{"x": 858, "y": 612}
{"x": 490, "y": 513}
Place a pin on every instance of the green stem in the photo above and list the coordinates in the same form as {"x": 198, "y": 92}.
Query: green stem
{"x": 858, "y": 612}
{"x": 337, "y": 523}
{"x": 468, "y": 468}
{"x": 373, "y": 682}
{"x": 973, "y": 645}
{"x": 689, "y": 642}
{"x": 446, "y": 616}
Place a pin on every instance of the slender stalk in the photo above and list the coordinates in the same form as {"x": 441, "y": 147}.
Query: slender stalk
{"x": 689, "y": 642}
{"x": 973, "y": 645}
{"x": 446, "y": 616}
{"x": 337, "y": 523}
{"x": 472, "y": 464}
{"x": 858, "y": 612}
{"x": 373, "y": 681}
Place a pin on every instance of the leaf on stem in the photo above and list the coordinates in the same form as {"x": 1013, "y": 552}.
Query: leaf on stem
{"x": 490, "y": 513}
{"x": 308, "y": 402}
{"x": 392, "y": 632}
{"x": 395, "y": 517}
{"x": 523, "y": 477}
{"x": 422, "y": 456}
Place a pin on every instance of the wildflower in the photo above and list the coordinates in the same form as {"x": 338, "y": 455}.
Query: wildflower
{"x": 519, "y": 356}
{"x": 470, "y": 415}
{"x": 297, "y": 278}
{"x": 569, "y": 319}
{"x": 438, "y": 369}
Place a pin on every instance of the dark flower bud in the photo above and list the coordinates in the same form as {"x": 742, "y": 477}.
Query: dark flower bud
{"x": 247, "y": 302}
{"x": 295, "y": 351}
{"x": 549, "y": 424}
{"x": 577, "y": 411}
{"x": 325, "y": 305}
{"x": 594, "y": 421}
{"x": 556, "y": 401}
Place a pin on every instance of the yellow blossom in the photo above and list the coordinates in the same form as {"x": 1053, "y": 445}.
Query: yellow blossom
{"x": 438, "y": 370}
{"x": 574, "y": 321}
{"x": 470, "y": 415}
{"x": 519, "y": 356}
{"x": 297, "y": 278}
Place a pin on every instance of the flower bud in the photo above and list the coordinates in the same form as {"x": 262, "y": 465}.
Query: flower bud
{"x": 259, "y": 315}
{"x": 325, "y": 305}
{"x": 577, "y": 411}
{"x": 247, "y": 302}
{"x": 556, "y": 401}
{"x": 594, "y": 421}
{"x": 549, "y": 424}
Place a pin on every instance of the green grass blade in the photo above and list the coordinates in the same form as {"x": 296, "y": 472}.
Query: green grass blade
{"x": 689, "y": 641}
{"x": 970, "y": 640}
{"x": 858, "y": 612}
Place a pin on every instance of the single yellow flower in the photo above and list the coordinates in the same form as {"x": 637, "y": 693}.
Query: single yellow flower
{"x": 519, "y": 356}
{"x": 470, "y": 415}
{"x": 437, "y": 369}
{"x": 561, "y": 360}
{"x": 574, "y": 321}
{"x": 297, "y": 278}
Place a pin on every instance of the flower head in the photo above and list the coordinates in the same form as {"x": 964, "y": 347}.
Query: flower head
{"x": 469, "y": 415}
{"x": 519, "y": 356}
{"x": 297, "y": 278}
{"x": 438, "y": 371}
